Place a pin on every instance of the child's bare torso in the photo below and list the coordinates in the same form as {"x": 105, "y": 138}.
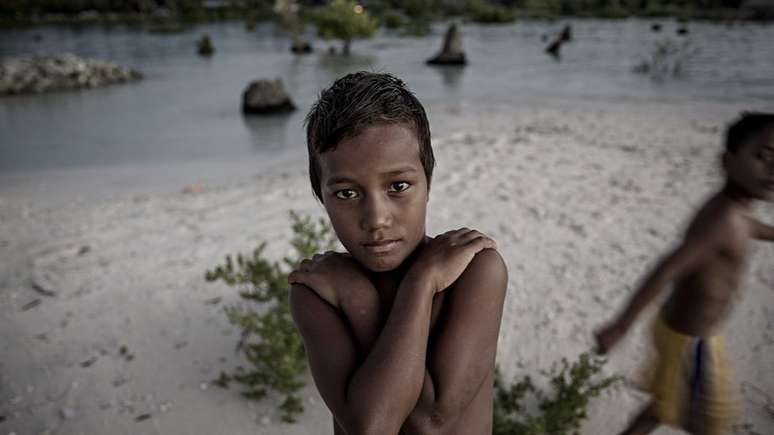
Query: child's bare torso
{"x": 477, "y": 418}
{"x": 703, "y": 297}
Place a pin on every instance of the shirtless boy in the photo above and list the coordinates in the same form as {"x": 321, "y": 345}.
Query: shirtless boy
{"x": 692, "y": 387}
{"x": 401, "y": 330}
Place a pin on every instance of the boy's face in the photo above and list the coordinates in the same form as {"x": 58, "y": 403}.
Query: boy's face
{"x": 375, "y": 192}
{"x": 751, "y": 167}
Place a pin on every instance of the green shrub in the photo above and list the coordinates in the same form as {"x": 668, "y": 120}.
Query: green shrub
{"x": 416, "y": 27}
{"x": 344, "y": 20}
{"x": 559, "y": 413}
{"x": 481, "y": 11}
{"x": 392, "y": 20}
{"x": 667, "y": 60}
{"x": 269, "y": 340}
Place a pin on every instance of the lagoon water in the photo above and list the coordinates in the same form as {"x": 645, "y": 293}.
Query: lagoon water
{"x": 186, "y": 111}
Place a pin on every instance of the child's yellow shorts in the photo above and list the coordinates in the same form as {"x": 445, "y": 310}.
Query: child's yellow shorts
{"x": 691, "y": 386}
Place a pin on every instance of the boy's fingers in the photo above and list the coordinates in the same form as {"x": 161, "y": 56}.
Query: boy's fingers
{"x": 482, "y": 242}
{"x": 304, "y": 265}
{"x": 471, "y": 235}
{"x": 296, "y": 277}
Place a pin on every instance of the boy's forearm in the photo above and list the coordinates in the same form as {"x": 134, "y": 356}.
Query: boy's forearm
{"x": 650, "y": 288}
{"x": 386, "y": 387}
{"x": 765, "y": 232}
{"x": 427, "y": 418}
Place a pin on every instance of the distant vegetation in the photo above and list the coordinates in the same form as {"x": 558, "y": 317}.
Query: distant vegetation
{"x": 344, "y": 20}
{"x": 411, "y": 15}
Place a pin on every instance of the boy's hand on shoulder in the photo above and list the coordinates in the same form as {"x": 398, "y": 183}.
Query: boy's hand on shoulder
{"x": 443, "y": 259}
{"x": 608, "y": 337}
{"x": 331, "y": 275}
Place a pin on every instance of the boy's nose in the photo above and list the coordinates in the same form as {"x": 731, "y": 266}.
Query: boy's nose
{"x": 376, "y": 214}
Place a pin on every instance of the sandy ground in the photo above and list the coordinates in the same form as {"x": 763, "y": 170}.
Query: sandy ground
{"x": 581, "y": 198}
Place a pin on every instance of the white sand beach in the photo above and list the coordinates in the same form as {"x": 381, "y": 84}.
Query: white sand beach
{"x": 124, "y": 336}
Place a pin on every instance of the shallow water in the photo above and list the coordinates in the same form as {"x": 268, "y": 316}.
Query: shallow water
{"x": 186, "y": 110}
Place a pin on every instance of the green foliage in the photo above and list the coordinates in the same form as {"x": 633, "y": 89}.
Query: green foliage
{"x": 269, "y": 340}
{"x": 392, "y": 20}
{"x": 204, "y": 46}
{"x": 543, "y": 8}
{"x": 667, "y": 60}
{"x": 424, "y": 9}
{"x": 344, "y": 20}
{"x": 559, "y": 413}
{"x": 482, "y": 11}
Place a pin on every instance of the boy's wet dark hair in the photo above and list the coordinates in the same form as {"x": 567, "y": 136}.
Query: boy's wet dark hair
{"x": 746, "y": 127}
{"x": 355, "y": 102}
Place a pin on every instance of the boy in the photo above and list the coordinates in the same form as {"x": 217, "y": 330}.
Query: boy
{"x": 691, "y": 387}
{"x": 400, "y": 332}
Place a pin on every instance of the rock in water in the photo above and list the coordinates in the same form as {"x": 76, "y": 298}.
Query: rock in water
{"x": 554, "y": 47}
{"x": 65, "y": 71}
{"x": 204, "y": 46}
{"x": 566, "y": 34}
{"x": 266, "y": 97}
{"x": 452, "y": 52}
{"x": 301, "y": 47}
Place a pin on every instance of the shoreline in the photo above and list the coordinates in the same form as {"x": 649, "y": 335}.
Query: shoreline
{"x": 57, "y": 185}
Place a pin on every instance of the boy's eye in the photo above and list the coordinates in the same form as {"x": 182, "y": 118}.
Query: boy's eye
{"x": 399, "y": 186}
{"x": 346, "y": 194}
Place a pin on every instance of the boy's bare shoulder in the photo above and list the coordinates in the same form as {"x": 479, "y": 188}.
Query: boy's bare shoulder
{"x": 489, "y": 260}
{"x": 719, "y": 220}
{"x": 487, "y": 270}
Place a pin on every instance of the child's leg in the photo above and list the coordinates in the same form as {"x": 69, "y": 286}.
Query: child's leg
{"x": 644, "y": 424}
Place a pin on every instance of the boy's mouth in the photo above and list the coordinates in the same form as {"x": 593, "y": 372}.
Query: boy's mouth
{"x": 383, "y": 246}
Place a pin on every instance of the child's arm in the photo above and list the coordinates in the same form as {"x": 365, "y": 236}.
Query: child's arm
{"x": 462, "y": 354}
{"x": 376, "y": 394}
{"x": 682, "y": 260}
{"x": 762, "y": 231}
{"x": 341, "y": 282}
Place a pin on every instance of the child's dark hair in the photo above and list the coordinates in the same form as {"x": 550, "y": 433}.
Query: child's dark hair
{"x": 746, "y": 127}
{"x": 355, "y": 102}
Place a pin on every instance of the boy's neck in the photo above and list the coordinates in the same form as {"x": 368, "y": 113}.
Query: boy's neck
{"x": 737, "y": 195}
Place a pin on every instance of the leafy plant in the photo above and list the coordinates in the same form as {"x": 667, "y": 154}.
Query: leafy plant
{"x": 269, "y": 340}
{"x": 559, "y": 413}
{"x": 667, "y": 59}
{"x": 482, "y": 11}
{"x": 344, "y": 20}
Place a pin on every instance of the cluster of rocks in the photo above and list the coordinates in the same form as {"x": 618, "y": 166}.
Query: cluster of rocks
{"x": 65, "y": 71}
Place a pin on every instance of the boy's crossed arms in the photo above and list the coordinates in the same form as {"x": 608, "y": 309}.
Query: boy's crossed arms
{"x": 415, "y": 359}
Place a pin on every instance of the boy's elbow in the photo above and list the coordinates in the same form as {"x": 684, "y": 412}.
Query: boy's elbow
{"x": 364, "y": 423}
{"x": 435, "y": 421}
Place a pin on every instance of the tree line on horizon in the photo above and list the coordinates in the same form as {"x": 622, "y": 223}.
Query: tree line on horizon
{"x": 30, "y": 11}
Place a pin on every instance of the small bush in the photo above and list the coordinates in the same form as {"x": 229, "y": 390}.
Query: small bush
{"x": 481, "y": 11}
{"x": 269, "y": 340}
{"x": 667, "y": 59}
{"x": 344, "y": 20}
{"x": 392, "y": 20}
{"x": 559, "y": 413}
{"x": 416, "y": 27}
